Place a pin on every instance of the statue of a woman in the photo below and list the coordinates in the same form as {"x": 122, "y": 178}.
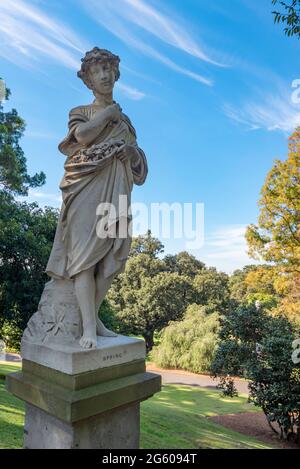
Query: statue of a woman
{"x": 103, "y": 162}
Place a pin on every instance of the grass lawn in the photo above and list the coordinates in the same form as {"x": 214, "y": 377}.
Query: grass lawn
{"x": 176, "y": 418}
{"x": 173, "y": 419}
{"x": 8, "y": 367}
{"x": 11, "y": 412}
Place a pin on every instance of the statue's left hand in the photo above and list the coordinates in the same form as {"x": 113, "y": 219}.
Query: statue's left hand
{"x": 127, "y": 152}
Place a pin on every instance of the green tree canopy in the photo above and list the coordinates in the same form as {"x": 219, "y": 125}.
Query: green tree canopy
{"x": 276, "y": 238}
{"x": 189, "y": 344}
{"x": 212, "y": 288}
{"x": 26, "y": 232}
{"x": 146, "y": 296}
{"x": 146, "y": 244}
{"x": 258, "y": 346}
{"x": 160, "y": 299}
{"x": 26, "y": 236}
{"x": 151, "y": 292}
{"x": 13, "y": 168}
{"x": 184, "y": 264}
{"x": 237, "y": 284}
{"x": 124, "y": 288}
{"x": 289, "y": 14}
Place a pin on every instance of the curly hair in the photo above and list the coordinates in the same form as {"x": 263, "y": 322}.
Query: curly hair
{"x": 100, "y": 56}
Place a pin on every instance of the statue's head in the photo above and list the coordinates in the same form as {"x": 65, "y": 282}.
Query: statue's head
{"x": 99, "y": 70}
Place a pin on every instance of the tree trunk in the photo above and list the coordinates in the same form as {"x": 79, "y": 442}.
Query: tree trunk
{"x": 270, "y": 425}
{"x": 148, "y": 336}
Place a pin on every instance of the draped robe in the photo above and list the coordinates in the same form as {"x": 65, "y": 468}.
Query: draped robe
{"x": 84, "y": 186}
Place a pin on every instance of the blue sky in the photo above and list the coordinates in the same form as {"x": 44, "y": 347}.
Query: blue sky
{"x": 207, "y": 85}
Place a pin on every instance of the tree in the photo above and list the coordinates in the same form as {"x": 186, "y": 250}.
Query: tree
{"x": 212, "y": 288}
{"x": 13, "y": 170}
{"x": 275, "y": 379}
{"x": 258, "y": 346}
{"x": 261, "y": 286}
{"x": 189, "y": 344}
{"x": 237, "y": 284}
{"x": 125, "y": 287}
{"x": 289, "y": 305}
{"x": 147, "y": 295}
{"x": 146, "y": 244}
{"x": 26, "y": 237}
{"x": 290, "y": 15}
{"x": 241, "y": 330}
{"x": 26, "y": 232}
{"x": 261, "y": 280}
{"x": 159, "y": 300}
{"x": 108, "y": 315}
{"x": 255, "y": 283}
{"x": 277, "y": 236}
{"x": 184, "y": 264}
{"x": 151, "y": 292}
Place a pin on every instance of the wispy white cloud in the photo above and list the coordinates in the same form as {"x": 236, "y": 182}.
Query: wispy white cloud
{"x": 43, "y": 199}
{"x": 131, "y": 93}
{"x": 120, "y": 17}
{"x": 26, "y": 30}
{"x": 57, "y": 30}
{"x": 174, "y": 66}
{"x": 274, "y": 112}
{"x": 45, "y": 195}
{"x": 228, "y": 236}
{"x": 226, "y": 248}
{"x": 138, "y": 74}
{"x": 28, "y": 35}
{"x": 164, "y": 28}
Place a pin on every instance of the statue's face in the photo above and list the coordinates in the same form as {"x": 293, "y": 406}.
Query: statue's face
{"x": 102, "y": 77}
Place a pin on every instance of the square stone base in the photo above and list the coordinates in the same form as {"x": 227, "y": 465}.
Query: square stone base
{"x": 83, "y": 399}
{"x": 115, "y": 429}
{"x": 72, "y": 359}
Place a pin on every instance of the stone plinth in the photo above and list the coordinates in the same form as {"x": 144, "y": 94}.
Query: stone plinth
{"x": 72, "y": 359}
{"x": 83, "y": 398}
{"x": 115, "y": 429}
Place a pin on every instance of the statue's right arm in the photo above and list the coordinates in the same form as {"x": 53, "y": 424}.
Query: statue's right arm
{"x": 87, "y": 132}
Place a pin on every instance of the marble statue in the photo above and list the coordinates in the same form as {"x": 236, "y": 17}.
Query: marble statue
{"x": 103, "y": 162}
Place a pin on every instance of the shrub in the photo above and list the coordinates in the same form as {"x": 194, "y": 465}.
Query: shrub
{"x": 259, "y": 346}
{"x": 11, "y": 334}
{"x": 275, "y": 379}
{"x": 189, "y": 344}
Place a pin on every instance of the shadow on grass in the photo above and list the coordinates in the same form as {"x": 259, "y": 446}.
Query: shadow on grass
{"x": 176, "y": 418}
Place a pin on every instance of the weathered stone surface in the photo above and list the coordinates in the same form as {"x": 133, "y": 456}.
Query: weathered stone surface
{"x": 83, "y": 380}
{"x": 67, "y": 409}
{"x": 72, "y": 359}
{"x": 72, "y": 406}
{"x": 116, "y": 429}
{"x": 93, "y": 236}
{"x": 82, "y": 383}
{"x": 58, "y": 318}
